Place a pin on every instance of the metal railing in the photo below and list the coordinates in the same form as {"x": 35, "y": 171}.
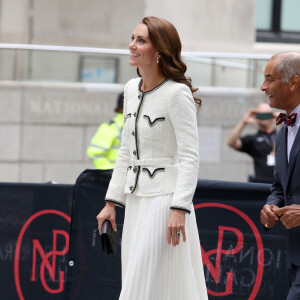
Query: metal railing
{"x": 27, "y": 62}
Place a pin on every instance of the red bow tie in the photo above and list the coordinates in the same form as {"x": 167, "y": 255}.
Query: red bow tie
{"x": 288, "y": 120}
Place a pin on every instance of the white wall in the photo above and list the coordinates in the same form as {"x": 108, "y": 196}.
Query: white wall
{"x": 204, "y": 24}
{"x": 109, "y": 23}
{"x": 14, "y": 21}
{"x": 45, "y": 129}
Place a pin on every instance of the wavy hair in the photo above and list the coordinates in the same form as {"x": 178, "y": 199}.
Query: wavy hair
{"x": 166, "y": 41}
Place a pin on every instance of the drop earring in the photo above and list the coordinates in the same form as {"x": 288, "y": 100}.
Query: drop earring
{"x": 157, "y": 59}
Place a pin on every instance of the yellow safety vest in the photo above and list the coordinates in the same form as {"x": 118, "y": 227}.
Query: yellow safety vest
{"x": 105, "y": 144}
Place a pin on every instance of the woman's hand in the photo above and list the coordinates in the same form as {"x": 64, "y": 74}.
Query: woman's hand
{"x": 107, "y": 213}
{"x": 176, "y": 224}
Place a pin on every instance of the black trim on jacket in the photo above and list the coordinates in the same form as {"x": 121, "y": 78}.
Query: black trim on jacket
{"x": 151, "y": 175}
{"x": 116, "y": 202}
{"x": 180, "y": 208}
{"x": 151, "y": 123}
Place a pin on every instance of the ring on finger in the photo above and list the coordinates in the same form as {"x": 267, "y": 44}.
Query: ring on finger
{"x": 266, "y": 225}
{"x": 178, "y": 233}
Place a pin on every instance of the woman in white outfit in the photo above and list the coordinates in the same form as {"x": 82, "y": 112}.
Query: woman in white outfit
{"x": 155, "y": 175}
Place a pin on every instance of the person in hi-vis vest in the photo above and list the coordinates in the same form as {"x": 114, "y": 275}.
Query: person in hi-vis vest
{"x": 105, "y": 144}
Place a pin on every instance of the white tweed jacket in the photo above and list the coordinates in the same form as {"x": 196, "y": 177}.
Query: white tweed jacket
{"x": 159, "y": 149}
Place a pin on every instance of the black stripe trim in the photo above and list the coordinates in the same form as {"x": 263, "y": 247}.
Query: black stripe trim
{"x": 116, "y": 202}
{"x": 141, "y": 97}
{"x": 127, "y": 116}
{"x": 154, "y": 172}
{"x": 136, "y": 143}
{"x": 136, "y": 179}
{"x": 135, "y": 127}
{"x": 180, "y": 208}
{"x": 151, "y": 123}
{"x": 154, "y": 89}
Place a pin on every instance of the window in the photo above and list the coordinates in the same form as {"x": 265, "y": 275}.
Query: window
{"x": 98, "y": 69}
{"x": 278, "y": 21}
{"x": 264, "y": 14}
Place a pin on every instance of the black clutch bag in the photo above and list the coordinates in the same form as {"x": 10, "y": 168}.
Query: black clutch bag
{"x": 109, "y": 238}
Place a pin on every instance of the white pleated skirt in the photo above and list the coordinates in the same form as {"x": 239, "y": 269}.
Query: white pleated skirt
{"x": 151, "y": 268}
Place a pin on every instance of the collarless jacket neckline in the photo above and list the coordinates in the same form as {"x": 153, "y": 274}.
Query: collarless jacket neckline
{"x": 152, "y": 90}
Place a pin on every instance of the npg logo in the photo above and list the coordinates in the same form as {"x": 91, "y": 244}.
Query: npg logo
{"x": 46, "y": 267}
{"x": 234, "y": 263}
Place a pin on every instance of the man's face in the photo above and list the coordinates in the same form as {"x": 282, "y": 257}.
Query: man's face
{"x": 277, "y": 91}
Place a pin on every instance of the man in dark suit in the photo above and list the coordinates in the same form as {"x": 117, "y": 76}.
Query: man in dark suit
{"x": 282, "y": 86}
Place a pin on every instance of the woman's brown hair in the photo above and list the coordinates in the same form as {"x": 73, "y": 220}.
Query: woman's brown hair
{"x": 165, "y": 39}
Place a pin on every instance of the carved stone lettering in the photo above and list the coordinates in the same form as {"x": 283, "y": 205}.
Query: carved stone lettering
{"x": 65, "y": 107}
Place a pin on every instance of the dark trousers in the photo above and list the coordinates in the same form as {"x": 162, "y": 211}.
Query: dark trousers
{"x": 294, "y": 292}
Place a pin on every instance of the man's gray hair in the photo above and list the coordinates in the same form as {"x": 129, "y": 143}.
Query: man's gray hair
{"x": 288, "y": 67}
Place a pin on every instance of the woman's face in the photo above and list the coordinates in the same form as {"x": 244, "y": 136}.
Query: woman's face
{"x": 142, "y": 52}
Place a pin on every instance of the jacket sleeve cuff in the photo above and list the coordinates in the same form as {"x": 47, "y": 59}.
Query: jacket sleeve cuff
{"x": 274, "y": 200}
{"x": 116, "y": 202}
{"x": 181, "y": 208}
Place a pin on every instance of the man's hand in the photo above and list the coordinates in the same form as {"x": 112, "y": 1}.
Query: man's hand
{"x": 289, "y": 215}
{"x": 234, "y": 140}
{"x": 268, "y": 215}
{"x": 250, "y": 117}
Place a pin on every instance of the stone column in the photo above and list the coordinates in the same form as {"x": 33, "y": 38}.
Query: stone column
{"x": 14, "y": 21}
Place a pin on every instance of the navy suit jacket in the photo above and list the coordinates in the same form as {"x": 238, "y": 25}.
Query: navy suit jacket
{"x": 286, "y": 186}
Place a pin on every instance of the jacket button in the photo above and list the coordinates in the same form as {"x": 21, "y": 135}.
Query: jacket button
{"x": 134, "y": 152}
{"x": 131, "y": 188}
{"x": 133, "y": 133}
{"x": 135, "y": 169}
{"x": 134, "y": 114}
